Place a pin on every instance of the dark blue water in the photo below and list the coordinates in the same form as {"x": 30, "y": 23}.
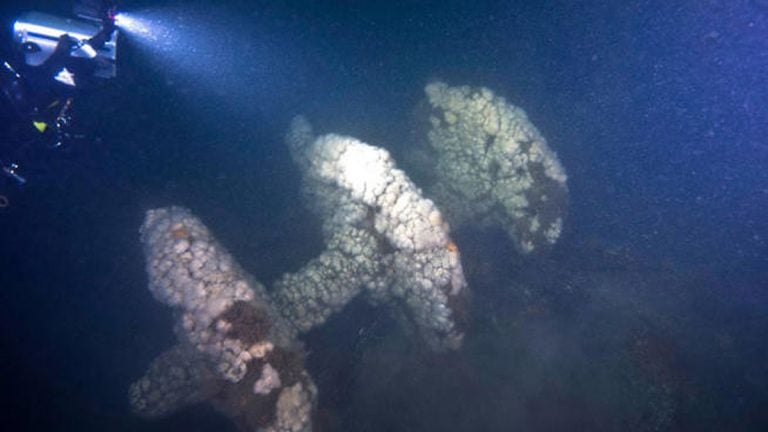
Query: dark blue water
{"x": 648, "y": 315}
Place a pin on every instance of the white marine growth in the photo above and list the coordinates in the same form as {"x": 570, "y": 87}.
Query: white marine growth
{"x": 174, "y": 379}
{"x": 234, "y": 350}
{"x": 383, "y": 239}
{"x": 492, "y": 166}
{"x": 189, "y": 271}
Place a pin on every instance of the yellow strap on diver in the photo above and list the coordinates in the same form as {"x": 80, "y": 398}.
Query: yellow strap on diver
{"x": 40, "y": 126}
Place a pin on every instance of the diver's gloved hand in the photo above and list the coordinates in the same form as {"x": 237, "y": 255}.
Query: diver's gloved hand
{"x": 63, "y": 49}
{"x": 108, "y": 27}
{"x": 66, "y": 44}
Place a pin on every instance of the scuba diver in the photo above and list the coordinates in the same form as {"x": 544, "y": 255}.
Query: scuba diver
{"x": 51, "y": 61}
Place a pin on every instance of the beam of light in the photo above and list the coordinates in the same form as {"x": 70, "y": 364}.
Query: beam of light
{"x": 136, "y": 26}
{"x": 209, "y": 54}
{"x": 163, "y": 32}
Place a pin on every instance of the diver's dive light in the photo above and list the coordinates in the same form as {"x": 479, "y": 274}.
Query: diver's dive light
{"x": 38, "y": 35}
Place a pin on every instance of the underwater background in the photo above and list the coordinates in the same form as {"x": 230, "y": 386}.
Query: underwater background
{"x": 649, "y": 313}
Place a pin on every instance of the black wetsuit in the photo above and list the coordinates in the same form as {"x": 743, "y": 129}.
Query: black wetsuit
{"x": 33, "y": 103}
{"x": 35, "y": 112}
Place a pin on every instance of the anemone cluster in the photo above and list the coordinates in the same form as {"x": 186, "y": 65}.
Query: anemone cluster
{"x": 176, "y": 378}
{"x": 491, "y": 166}
{"x": 384, "y": 241}
{"x": 234, "y": 349}
{"x": 237, "y": 344}
{"x": 383, "y": 238}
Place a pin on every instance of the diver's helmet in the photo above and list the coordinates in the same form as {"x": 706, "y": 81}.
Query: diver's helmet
{"x": 38, "y": 34}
